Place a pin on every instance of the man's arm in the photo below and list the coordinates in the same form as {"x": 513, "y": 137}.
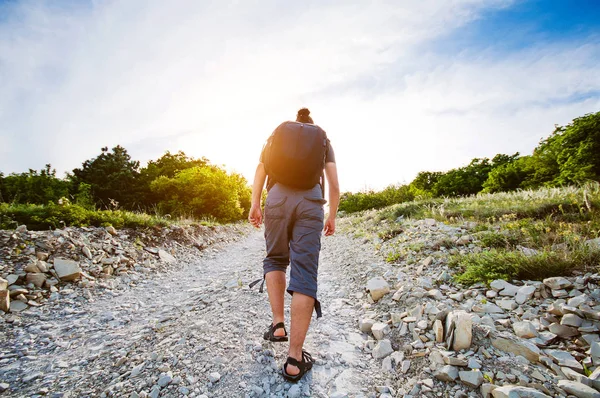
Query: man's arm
{"x": 255, "y": 216}
{"x": 333, "y": 187}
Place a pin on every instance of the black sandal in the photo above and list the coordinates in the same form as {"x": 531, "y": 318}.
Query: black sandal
{"x": 304, "y": 366}
{"x": 269, "y": 334}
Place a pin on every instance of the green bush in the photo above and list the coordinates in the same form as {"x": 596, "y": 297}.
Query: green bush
{"x": 354, "y": 202}
{"x": 503, "y": 264}
{"x": 52, "y": 216}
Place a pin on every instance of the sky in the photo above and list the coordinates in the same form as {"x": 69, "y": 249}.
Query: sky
{"x": 400, "y": 86}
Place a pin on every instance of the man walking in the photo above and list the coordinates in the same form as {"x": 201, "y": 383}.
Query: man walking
{"x": 294, "y": 159}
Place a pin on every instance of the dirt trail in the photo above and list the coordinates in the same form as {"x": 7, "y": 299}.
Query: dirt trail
{"x": 193, "y": 332}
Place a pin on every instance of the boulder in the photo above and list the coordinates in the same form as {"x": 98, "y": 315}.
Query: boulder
{"x": 563, "y": 331}
{"x": 379, "y": 330}
{"x": 3, "y": 284}
{"x": 382, "y": 349}
{"x": 37, "y": 278}
{"x": 459, "y": 330}
{"x": 378, "y": 288}
{"x": 524, "y": 294}
{"x": 509, "y": 391}
{"x": 166, "y": 257}
{"x": 447, "y": 373}
{"x": 557, "y": 283}
{"x": 571, "y": 320}
{"x": 4, "y": 300}
{"x": 525, "y": 329}
{"x": 563, "y": 358}
{"x": 507, "y": 343}
{"x": 111, "y": 230}
{"x": 578, "y": 389}
{"x": 365, "y": 324}
{"x": 472, "y": 378}
{"x": 67, "y": 270}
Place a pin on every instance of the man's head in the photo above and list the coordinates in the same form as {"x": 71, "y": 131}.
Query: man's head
{"x": 304, "y": 116}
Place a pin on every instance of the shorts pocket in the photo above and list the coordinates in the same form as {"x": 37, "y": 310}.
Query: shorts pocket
{"x": 320, "y": 201}
{"x": 276, "y": 202}
{"x": 274, "y": 208}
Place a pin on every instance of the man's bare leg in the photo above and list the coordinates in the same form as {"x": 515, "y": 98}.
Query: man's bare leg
{"x": 276, "y": 289}
{"x": 301, "y": 309}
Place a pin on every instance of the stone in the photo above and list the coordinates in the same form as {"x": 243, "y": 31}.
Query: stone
{"x": 507, "y": 343}
{"x": 571, "y": 320}
{"x": 557, "y": 283}
{"x": 12, "y": 279}
{"x": 32, "y": 267}
{"x": 507, "y": 304}
{"x": 447, "y": 373}
{"x": 459, "y": 330}
{"x": 487, "y": 308}
{"x": 21, "y": 229}
{"x": 525, "y": 329}
{"x": 166, "y": 256}
{"x": 510, "y": 391}
{"x": 42, "y": 256}
{"x": 380, "y": 330}
{"x": 578, "y": 300}
{"x": 524, "y": 294}
{"x": 438, "y": 328}
{"x": 111, "y": 230}
{"x": 4, "y": 387}
{"x": 435, "y": 294}
{"x": 378, "y": 288}
{"x": 4, "y": 300}
{"x": 3, "y": 284}
{"x": 486, "y": 389}
{"x": 86, "y": 252}
{"x": 595, "y": 378}
{"x": 37, "y": 278}
{"x": 365, "y": 324}
{"x": 405, "y": 366}
{"x": 18, "y": 306}
{"x": 563, "y": 358}
{"x": 563, "y": 331}
{"x": 382, "y": 349}
{"x": 214, "y": 377}
{"x": 559, "y": 293}
{"x": 474, "y": 363}
{"x": 580, "y": 390}
{"x": 294, "y": 391}
{"x": 472, "y": 378}
{"x": 67, "y": 270}
{"x": 165, "y": 380}
{"x": 595, "y": 352}
{"x": 42, "y": 266}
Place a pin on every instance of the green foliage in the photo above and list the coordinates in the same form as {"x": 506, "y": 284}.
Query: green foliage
{"x": 112, "y": 177}
{"x": 33, "y": 187}
{"x": 42, "y": 217}
{"x": 353, "y": 202}
{"x": 203, "y": 192}
{"x": 497, "y": 240}
{"x": 505, "y": 264}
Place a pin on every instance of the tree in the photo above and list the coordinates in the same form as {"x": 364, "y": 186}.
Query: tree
{"x": 33, "y": 187}
{"x": 112, "y": 177}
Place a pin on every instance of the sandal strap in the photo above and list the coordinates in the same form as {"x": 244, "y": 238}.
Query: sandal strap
{"x": 306, "y": 360}
{"x": 280, "y": 325}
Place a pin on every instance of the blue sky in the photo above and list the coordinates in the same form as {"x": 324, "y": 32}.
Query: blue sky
{"x": 400, "y": 86}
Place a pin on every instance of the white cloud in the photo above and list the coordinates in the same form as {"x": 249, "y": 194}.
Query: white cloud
{"x": 214, "y": 78}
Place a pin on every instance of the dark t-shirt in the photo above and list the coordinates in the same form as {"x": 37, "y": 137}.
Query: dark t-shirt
{"x": 329, "y": 158}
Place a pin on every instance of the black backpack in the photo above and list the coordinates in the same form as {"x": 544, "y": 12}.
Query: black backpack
{"x": 295, "y": 154}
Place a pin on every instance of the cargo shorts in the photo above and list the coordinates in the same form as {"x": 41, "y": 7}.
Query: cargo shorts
{"x": 293, "y": 227}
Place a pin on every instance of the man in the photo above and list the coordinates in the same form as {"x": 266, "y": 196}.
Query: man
{"x": 294, "y": 159}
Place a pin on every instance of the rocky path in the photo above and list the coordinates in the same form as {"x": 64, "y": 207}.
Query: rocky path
{"x": 192, "y": 332}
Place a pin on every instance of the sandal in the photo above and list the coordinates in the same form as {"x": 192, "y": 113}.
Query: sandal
{"x": 304, "y": 366}
{"x": 269, "y": 334}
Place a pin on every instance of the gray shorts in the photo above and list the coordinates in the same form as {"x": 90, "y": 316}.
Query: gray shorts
{"x": 293, "y": 227}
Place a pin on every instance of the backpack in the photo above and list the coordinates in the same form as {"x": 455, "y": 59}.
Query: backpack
{"x": 294, "y": 155}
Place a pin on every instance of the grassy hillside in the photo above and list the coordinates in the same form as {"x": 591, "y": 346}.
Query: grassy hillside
{"x": 528, "y": 234}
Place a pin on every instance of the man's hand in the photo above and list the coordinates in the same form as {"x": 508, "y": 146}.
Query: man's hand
{"x": 329, "y": 226}
{"x": 255, "y": 217}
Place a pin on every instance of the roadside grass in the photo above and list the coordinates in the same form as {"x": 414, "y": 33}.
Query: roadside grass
{"x": 512, "y": 264}
{"x": 526, "y": 234}
{"x": 52, "y": 216}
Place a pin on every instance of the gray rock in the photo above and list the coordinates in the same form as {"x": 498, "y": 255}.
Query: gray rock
{"x": 165, "y": 380}
{"x": 510, "y": 391}
{"x": 294, "y": 392}
{"x": 472, "y": 378}
{"x": 525, "y": 329}
{"x": 487, "y": 308}
{"x": 578, "y": 300}
{"x": 18, "y": 306}
{"x": 447, "y": 373}
{"x": 507, "y": 304}
{"x": 459, "y": 330}
{"x": 507, "y": 343}
{"x": 524, "y": 294}
{"x": 382, "y": 349}
{"x": 578, "y": 389}
{"x": 571, "y": 320}
{"x": 557, "y": 283}
{"x": 380, "y": 330}
{"x": 67, "y": 270}
{"x": 366, "y": 324}
{"x": 166, "y": 257}
{"x": 563, "y": 331}
{"x": 4, "y": 387}
{"x": 563, "y": 358}
{"x": 214, "y": 377}
{"x": 405, "y": 366}
{"x": 378, "y": 288}
{"x": 111, "y": 230}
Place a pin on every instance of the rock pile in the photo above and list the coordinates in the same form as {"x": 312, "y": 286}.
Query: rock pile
{"x": 521, "y": 339}
{"x": 35, "y": 264}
